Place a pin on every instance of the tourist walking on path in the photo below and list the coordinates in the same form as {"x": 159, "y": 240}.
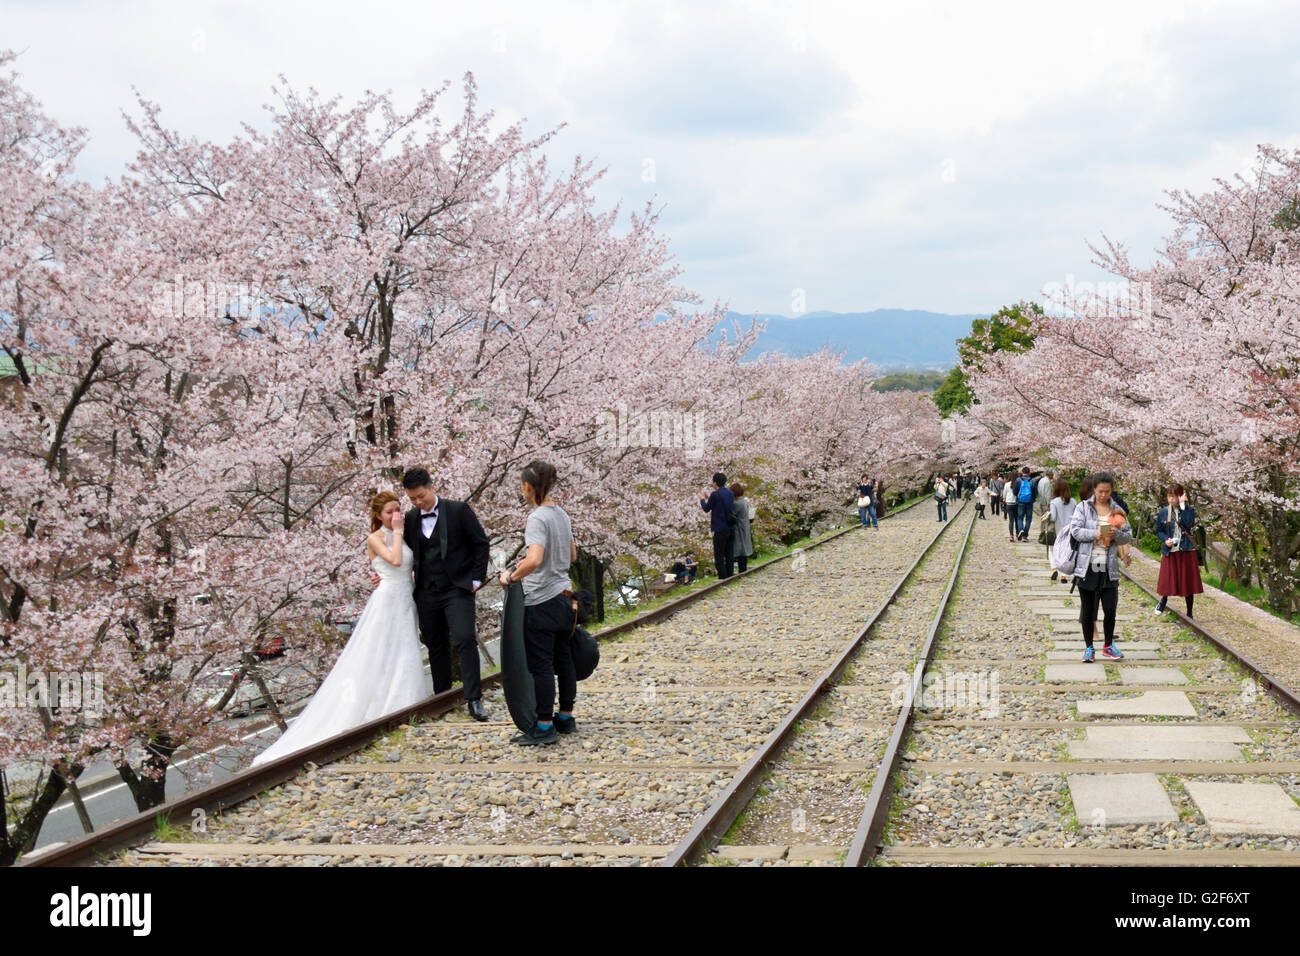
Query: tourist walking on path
{"x": 1024, "y": 503}
{"x": 719, "y": 503}
{"x": 1009, "y": 507}
{"x": 1085, "y": 492}
{"x": 941, "y": 497}
{"x": 981, "y": 498}
{"x": 1061, "y": 509}
{"x": 1043, "y": 491}
{"x": 743, "y": 542}
{"x": 549, "y": 613}
{"x": 1179, "y": 573}
{"x": 1097, "y": 566}
{"x": 995, "y": 493}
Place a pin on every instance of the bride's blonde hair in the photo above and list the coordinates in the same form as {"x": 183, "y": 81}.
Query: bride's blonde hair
{"x": 377, "y": 504}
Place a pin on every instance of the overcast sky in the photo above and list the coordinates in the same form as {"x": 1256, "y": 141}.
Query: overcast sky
{"x": 944, "y": 156}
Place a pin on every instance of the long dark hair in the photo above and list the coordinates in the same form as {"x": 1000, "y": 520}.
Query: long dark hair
{"x": 541, "y": 475}
{"x": 1062, "y": 490}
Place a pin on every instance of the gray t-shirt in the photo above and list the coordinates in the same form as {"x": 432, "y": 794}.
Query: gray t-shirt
{"x": 548, "y": 526}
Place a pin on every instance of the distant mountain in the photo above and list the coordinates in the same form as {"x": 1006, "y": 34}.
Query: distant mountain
{"x": 891, "y": 338}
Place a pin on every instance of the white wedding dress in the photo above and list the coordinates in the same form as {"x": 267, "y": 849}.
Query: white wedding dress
{"x": 379, "y": 672}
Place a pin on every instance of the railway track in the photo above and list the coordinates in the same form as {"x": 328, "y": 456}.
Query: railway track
{"x": 753, "y": 731}
{"x": 631, "y": 682}
{"x": 826, "y": 767}
{"x": 1182, "y": 754}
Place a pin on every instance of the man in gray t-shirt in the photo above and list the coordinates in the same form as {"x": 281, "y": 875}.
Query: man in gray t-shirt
{"x": 548, "y": 526}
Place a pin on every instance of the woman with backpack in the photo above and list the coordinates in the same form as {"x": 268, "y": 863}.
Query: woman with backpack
{"x": 1096, "y": 567}
{"x": 1062, "y": 510}
{"x": 1180, "y": 574}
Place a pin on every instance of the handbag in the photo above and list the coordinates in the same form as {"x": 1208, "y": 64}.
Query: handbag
{"x": 585, "y": 651}
{"x": 1047, "y": 533}
{"x": 864, "y": 501}
{"x": 583, "y": 648}
{"x": 1196, "y": 534}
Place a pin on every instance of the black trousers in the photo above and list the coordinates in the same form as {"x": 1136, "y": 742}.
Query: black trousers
{"x": 724, "y": 543}
{"x": 996, "y": 503}
{"x": 445, "y": 619}
{"x": 548, "y": 631}
{"x": 1097, "y": 588}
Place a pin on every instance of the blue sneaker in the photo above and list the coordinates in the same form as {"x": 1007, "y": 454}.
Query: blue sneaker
{"x": 1088, "y": 655}
{"x": 1111, "y": 653}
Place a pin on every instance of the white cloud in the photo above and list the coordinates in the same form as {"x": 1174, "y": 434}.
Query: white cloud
{"x": 944, "y": 156}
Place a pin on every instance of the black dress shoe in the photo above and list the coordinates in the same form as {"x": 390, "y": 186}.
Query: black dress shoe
{"x": 476, "y": 710}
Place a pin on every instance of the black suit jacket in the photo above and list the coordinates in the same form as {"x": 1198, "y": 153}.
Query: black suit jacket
{"x": 463, "y": 540}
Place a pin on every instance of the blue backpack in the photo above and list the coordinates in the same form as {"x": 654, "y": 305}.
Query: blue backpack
{"x": 1025, "y": 491}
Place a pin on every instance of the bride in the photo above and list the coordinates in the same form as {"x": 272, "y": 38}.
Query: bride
{"x": 380, "y": 670}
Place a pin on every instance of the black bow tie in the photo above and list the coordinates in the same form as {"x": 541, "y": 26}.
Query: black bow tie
{"x": 429, "y": 514}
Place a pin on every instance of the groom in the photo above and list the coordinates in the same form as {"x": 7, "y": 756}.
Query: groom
{"x": 451, "y": 559}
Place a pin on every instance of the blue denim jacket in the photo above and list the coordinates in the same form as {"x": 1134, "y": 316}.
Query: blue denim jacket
{"x": 1165, "y": 528}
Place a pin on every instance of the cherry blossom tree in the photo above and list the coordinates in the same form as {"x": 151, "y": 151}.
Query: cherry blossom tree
{"x": 1187, "y": 372}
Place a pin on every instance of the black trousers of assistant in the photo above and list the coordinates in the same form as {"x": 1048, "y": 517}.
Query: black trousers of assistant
{"x": 548, "y": 631}
{"x": 724, "y": 543}
{"x": 449, "y": 619}
{"x": 1097, "y": 588}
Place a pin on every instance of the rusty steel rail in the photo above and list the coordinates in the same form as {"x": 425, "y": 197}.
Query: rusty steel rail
{"x": 248, "y": 783}
{"x": 1282, "y": 693}
{"x": 714, "y": 822}
{"x": 866, "y": 839}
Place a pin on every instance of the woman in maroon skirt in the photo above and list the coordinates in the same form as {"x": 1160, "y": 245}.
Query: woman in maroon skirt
{"x": 1179, "y": 573}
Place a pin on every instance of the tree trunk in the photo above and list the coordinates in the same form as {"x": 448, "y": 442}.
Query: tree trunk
{"x": 147, "y": 790}
{"x": 22, "y": 838}
{"x": 1241, "y": 564}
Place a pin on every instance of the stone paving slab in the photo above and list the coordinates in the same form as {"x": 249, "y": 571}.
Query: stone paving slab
{"x": 1124, "y": 646}
{"x": 1112, "y": 799}
{"x": 1055, "y": 604}
{"x": 1062, "y": 613}
{"x": 1153, "y": 750}
{"x": 1167, "y": 732}
{"x": 1150, "y": 675}
{"x": 1154, "y": 703}
{"x": 1075, "y": 673}
{"x": 1260, "y": 809}
{"x": 1129, "y": 655}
